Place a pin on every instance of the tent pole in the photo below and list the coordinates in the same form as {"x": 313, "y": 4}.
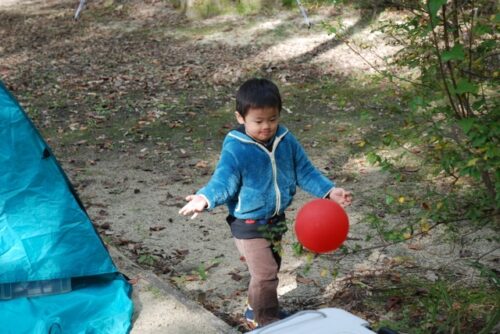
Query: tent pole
{"x": 304, "y": 14}
{"x": 79, "y": 9}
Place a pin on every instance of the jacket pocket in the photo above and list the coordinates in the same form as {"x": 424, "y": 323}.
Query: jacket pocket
{"x": 287, "y": 194}
{"x": 250, "y": 200}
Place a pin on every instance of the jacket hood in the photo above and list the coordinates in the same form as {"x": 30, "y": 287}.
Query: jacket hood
{"x": 280, "y": 133}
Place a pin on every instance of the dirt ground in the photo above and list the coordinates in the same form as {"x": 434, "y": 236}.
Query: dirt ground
{"x": 136, "y": 208}
{"x": 120, "y": 73}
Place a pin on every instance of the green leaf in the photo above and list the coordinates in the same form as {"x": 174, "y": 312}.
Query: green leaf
{"x": 365, "y": 116}
{"x": 372, "y": 158}
{"x": 466, "y": 124}
{"x": 472, "y": 162}
{"x": 387, "y": 139}
{"x": 478, "y": 104}
{"x": 434, "y": 6}
{"x": 487, "y": 45}
{"x": 465, "y": 86}
{"x": 479, "y": 141}
{"x": 332, "y": 30}
{"x": 416, "y": 103}
{"x": 492, "y": 152}
{"x": 389, "y": 199}
{"x": 146, "y": 259}
{"x": 202, "y": 272}
{"x": 482, "y": 29}
{"x": 297, "y": 248}
{"x": 455, "y": 53}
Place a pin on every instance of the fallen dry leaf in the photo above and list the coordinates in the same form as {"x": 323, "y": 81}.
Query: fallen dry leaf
{"x": 236, "y": 277}
{"x": 393, "y": 303}
{"x": 134, "y": 280}
{"x": 415, "y": 246}
{"x": 303, "y": 280}
{"x": 156, "y": 228}
{"x": 201, "y": 164}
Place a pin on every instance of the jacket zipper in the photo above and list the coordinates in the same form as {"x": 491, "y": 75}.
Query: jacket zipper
{"x": 273, "y": 166}
{"x": 275, "y": 179}
{"x": 275, "y": 175}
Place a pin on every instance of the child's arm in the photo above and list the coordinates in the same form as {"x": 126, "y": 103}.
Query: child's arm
{"x": 223, "y": 185}
{"x": 313, "y": 181}
{"x": 309, "y": 178}
{"x": 196, "y": 204}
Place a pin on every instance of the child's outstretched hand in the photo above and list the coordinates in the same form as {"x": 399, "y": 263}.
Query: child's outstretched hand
{"x": 341, "y": 196}
{"x": 196, "y": 204}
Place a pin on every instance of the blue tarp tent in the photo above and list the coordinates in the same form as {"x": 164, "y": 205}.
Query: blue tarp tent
{"x": 56, "y": 275}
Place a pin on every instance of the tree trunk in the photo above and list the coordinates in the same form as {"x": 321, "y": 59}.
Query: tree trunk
{"x": 201, "y": 8}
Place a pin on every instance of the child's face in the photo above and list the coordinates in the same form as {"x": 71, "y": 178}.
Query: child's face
{"x": 260, "y": 123}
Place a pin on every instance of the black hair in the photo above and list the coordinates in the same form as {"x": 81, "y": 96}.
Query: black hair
{"x": 257, "y": 93}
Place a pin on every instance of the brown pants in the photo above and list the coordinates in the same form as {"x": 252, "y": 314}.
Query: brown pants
{"x": 263, "y": 264}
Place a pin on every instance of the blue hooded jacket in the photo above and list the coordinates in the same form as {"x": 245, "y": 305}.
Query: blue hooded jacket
{"x": 257, "y": 183}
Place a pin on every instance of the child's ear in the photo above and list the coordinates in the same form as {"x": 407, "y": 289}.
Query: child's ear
{"x": 239, "y": 118}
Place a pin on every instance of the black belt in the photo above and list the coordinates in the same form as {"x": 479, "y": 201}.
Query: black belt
{"x": 272, "y": 220}
{"x": 269, "y": 221}
{"x": 255, "y": 228}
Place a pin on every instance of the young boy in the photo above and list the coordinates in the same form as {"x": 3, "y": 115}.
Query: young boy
{"x": 261, "y": 164}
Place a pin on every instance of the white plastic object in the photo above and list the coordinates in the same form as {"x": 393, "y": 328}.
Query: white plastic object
{"x": 322, "y": 321}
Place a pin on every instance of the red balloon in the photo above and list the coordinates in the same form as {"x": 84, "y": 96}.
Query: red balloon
{"x": 321, "y": 225}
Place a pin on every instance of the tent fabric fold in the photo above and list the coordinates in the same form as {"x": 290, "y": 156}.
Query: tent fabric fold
{"x": 39, "y": 210}
{"x": 46, "y": 234}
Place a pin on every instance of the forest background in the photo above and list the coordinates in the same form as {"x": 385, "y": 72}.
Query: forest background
{"x": 395, "y": 100}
